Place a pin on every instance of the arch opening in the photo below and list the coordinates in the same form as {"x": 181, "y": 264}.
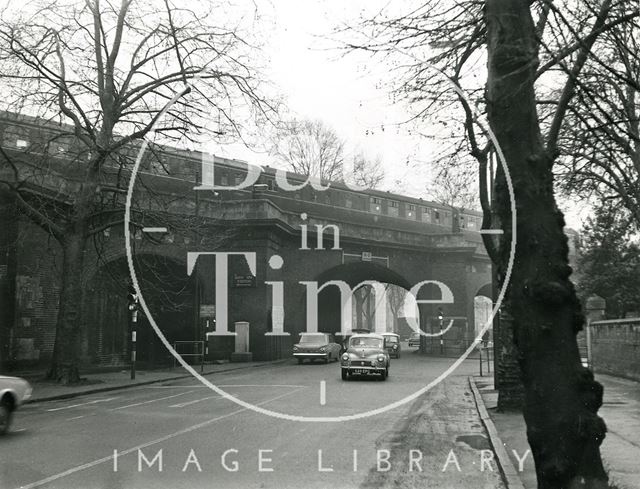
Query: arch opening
{"x": 378, "y": 296}
{"x": 169, "y": 292}
{"x": 482, "y": 309}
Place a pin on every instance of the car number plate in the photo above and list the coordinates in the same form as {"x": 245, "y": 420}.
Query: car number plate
{"x": 360, "y": 371}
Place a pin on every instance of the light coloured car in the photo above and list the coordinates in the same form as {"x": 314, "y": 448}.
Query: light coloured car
{"x": 316, "y": 346}
{"x": 366, "y": 355}
{"x": 414, "y": 340}
{"x": 13, "y": 392}
{"x": 392, "y": 344}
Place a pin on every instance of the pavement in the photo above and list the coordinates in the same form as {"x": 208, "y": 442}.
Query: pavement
{"x": 120, "y": 379}
{"x": 620, "y": 449}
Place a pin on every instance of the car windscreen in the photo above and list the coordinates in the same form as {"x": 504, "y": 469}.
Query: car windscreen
{"x": 366, "y": 342}
{"x": 391, "y": 339}
{"x": 313, "y": 338}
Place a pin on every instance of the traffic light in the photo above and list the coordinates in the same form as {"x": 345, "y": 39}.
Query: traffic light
{"x": 132, "y": 298}
{"x": 440, "y": 314}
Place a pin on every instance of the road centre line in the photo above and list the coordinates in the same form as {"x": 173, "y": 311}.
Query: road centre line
{"x": 121, "y": 453}
{"x": 151, "y": 400}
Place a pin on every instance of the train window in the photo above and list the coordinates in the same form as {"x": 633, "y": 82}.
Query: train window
{"x": 393, "y": 208}
{"x": 15, "y": 137}
{"x": 426, "y": 214}
{"x": 411, "y": 210}
{"x": 238, "y": 179}
{"x": 224, "y": 178}
{"x": 376, "y": 205}
{"x": 348, "y": 202}
{"x": 270, "y": 187}
{"x": 436, "y": 216}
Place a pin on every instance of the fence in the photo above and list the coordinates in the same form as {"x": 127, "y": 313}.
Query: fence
{"x": 190, "y": 349}
{"x": 485, "y": 357}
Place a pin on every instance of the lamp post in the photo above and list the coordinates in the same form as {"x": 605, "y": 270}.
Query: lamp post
{"x": 440, "y": 321}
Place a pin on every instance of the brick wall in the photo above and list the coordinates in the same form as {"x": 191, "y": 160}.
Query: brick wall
{"x": 615, "y": 346}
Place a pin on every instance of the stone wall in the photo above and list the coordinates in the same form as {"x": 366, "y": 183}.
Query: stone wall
{"x": 615, "y": 347}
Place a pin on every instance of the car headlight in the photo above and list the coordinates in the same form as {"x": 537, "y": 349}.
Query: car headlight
{"x": 295, "y": 348}
{"x": 380, "y": 358}
{"x": 395, "y": 347}
{"x": 323, "y": 348}
{"x": 345, "y": 358}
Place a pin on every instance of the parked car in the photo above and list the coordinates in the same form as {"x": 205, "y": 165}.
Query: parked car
{"x": 392, "y": 344}
{"x": 312, "y": 346}
{"x": 366, "y": 355}
{"x": 13, "y": 392}
{"x": 414, "y": 339}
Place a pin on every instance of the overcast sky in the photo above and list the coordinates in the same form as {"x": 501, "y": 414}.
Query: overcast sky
{"x": 346, "y": 91}
{"x": 319, "y": 82}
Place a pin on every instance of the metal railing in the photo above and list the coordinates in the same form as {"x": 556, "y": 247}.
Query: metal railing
{"x": 485, "y": 356}
{"x": 196, "y": 350}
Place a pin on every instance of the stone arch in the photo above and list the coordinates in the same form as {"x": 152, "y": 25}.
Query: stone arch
{"x": 330, "y": 314}
{"x": 169, "y": 293}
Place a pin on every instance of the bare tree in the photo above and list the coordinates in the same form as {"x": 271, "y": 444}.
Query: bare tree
{"x": 537, "y": 53}
{"x": 310, "y": 147}
{"x": 114, "y": 74}
{"x": 365, "y": 172}
{"x": 600, "y": 144}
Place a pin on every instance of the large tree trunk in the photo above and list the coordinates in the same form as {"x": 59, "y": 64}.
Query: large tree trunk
{"x": 66, "y": 351}
{"x": 561, "y": 396}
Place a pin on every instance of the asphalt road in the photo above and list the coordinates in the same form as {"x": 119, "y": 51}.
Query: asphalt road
{"x": 204, "y": 440}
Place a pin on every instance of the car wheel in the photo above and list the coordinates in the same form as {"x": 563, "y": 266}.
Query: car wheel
{"x": 345, "y": 375}
{"x": 385, "y": 374}
{"x": 6, "y": 413}
{"x": 299, "y": 361}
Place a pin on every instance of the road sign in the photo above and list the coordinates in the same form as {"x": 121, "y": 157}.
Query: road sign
{"x": 366, "y": 256}
{"x": 207, "y": 310}
{"x": 241, "y": 281}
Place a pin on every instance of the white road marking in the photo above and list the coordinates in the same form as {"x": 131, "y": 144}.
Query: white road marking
{"x": 188, "y": 403}
{"x": 81, "y": 404}
{"x": 491, "y": 231}
{"x": 221, "y": 385}
{"x": 323, "y": 392}
{"x": 152, "y": 400}
{"x": 262, "y": 385}
{"x": 102, "y": 460}
{"x": 75, "y": 417}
